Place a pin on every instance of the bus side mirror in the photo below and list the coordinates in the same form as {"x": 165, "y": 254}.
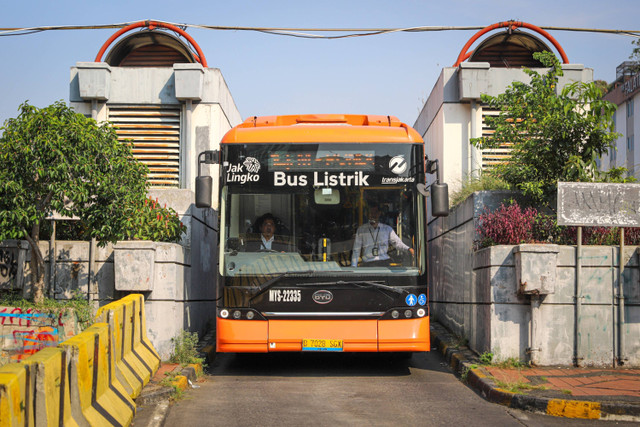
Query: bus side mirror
{"x": 439, "y": 191}
{"x": 204, "y": 185}
{"x": 439, "y": 199}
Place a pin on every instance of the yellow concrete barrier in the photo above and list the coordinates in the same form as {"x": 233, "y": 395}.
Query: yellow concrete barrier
{"x": 50, "y": 396}
{"x": 115, "y": 315}
{"x": 141, "y": 344}
{"x": 16, "y": 395}
{"x": 136, "y": 359}
{"x": 89, "y": 379}
{"x": 97, "y": 396}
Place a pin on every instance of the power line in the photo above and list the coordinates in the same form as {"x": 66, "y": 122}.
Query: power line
{"x": 299, "y": 32}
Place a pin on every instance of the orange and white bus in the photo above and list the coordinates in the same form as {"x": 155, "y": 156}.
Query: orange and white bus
{"x": 322, "y": 234}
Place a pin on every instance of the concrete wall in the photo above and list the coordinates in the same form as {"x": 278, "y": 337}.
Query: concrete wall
{"x": 479, "y": 298}
{"x": 182, "y": 290}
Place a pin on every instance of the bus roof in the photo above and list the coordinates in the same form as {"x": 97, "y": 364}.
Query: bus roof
{"x": 322, "y": 128}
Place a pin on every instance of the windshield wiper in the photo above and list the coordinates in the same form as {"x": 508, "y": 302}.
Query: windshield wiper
{"x": 271, "y": 282}
{"x": 360, "y": 283}
{"x": 366, "y": 283}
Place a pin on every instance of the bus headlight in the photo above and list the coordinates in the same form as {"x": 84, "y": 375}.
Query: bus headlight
{"x": 250, "y": 315}
{"x": 395, "y": 314}
{"x": 408, "y": 313}
{"x": 224, "y": 313}
{"x": 421, "y": 312}
{"x": 237, "y": 314}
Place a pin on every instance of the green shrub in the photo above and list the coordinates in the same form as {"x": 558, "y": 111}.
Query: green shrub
{"x": 486, "y": 358}
{"x": 485, "y": 182}
{"x": 149, "y": 221}
{"x": 185, "y": 350}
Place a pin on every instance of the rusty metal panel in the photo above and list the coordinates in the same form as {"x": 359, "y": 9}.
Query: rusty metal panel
{"x": 154, "y": 136}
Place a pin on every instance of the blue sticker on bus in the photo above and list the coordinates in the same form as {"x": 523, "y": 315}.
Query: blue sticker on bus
{"x": 410, "y": 300}
{"x": 422, "y": 299}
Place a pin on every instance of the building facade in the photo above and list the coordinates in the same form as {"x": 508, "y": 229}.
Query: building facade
{"x": 626, "y": 95}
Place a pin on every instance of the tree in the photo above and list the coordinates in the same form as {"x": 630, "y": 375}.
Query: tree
{"x": 53, "y": 159}
{"x": 603, "y": 86}
{"x": 555, "y": 135}
{"x": 635, "y": 55}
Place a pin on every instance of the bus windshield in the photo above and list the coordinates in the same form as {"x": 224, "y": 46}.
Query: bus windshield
{"x": 322, "y": 209}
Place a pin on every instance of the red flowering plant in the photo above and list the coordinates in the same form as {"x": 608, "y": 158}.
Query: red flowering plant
{"x": 149, "y": 221}
{"x": 512, "y": 225}
{"x": 507, "y": 225}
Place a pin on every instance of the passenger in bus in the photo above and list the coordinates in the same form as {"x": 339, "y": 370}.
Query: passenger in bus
{"x": 373, "y": 239}
{"x": 267, "y": 240}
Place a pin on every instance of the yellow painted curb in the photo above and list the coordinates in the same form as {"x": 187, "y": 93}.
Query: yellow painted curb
{"x": 180, "y": 382}
{"x": 574, "y": 409}
{"x": 197, "y": 367}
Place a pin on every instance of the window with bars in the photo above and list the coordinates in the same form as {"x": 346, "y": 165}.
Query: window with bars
{"x": 154, "y": 133}
{"x": 493, "y": 156}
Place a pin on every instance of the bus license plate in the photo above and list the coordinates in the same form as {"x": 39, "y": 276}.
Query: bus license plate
{"x": 321, "y": 345}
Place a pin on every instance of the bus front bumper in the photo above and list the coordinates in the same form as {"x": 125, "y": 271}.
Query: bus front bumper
{"x": 370, "y": 335}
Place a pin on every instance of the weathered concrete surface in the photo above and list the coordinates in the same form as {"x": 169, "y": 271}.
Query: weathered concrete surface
{"x": 179, "y": 292}
{"x": 475, "y": 294}
{"x": 13, "y": 254}
{"x": 24, "y": 331}
{"x": 339, "y": 389}
{"x": 134, "y": 265}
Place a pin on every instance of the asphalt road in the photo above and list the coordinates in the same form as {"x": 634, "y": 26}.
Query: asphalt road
{"x": 342, "y": 389}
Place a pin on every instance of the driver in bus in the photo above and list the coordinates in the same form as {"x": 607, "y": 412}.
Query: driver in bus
{"x": 373, "y": 239}
{"x": 267, "y": 241}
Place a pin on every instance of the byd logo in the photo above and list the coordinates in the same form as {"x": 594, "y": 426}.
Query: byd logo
{"x": 322, "y": 297}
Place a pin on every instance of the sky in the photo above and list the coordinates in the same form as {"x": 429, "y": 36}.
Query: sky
{"x": 267, "y": 74}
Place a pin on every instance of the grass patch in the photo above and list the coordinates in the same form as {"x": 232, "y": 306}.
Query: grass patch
{"x": 511, "y": 362}
{"x": 486, "y": 358}
{"x": 78, "y": 303}
{"x": 519, "y": 387}
{"x": 483, "y": 183}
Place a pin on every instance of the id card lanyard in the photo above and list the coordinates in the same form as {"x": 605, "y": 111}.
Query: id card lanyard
{"x": 374, "y": 251}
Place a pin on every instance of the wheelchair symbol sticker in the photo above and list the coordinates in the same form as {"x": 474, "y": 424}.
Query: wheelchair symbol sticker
{"x": 422, "y": 299}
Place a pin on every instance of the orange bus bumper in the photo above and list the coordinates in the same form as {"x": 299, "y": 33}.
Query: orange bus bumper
{"x": 260, "y": 336}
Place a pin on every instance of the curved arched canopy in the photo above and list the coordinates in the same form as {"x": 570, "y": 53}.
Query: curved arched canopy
{"x": 149, "y": 49}
{"x": 522, "y": 43}
{"x": 510, "y": 50}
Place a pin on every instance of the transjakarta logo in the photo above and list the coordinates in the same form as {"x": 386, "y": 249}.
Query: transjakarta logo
{"x": 397, "y": 165}
{"x": 244, "y": 172}
{"x": 320, "y": 179}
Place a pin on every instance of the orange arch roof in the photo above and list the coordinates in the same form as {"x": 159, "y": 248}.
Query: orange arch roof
{"x": 510, "y": 26}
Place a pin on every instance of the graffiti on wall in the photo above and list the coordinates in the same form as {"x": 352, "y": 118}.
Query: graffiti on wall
{"x": 25, "y": 331}
{"x": 8, "y": 264}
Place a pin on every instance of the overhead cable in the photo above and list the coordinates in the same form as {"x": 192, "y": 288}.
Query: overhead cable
{"x": 298, "y": 32}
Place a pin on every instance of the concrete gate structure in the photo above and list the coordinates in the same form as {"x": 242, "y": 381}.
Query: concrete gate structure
{"x": 476, "y": 294}
{"x": 152, "y": 81}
